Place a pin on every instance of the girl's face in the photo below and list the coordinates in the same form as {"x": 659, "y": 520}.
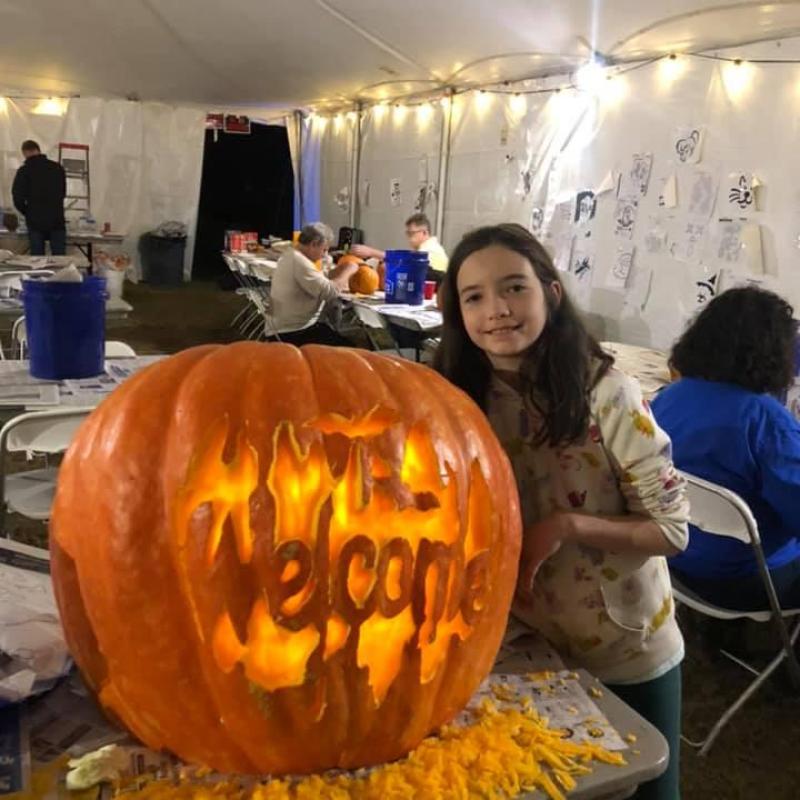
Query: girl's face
{"x": 503, "y": 304}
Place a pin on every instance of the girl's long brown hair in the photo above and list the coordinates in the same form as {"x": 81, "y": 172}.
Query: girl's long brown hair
{"x": 560, "y": 368}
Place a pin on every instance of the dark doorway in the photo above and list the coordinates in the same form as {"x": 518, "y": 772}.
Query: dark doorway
{"x": 247, "y": 185}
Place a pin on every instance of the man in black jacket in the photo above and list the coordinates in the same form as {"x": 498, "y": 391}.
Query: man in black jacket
{"x": 38, "y": 191}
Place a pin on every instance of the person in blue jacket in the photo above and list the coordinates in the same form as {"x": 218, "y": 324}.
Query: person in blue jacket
{"x": 728, "y": 426}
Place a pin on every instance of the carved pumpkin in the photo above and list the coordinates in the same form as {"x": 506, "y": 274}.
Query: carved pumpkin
{"x": 275, "y": 560}
{"x": 364, "y": 280}
{"x": 348, "y": 258}
{"x": 381, "y": 270}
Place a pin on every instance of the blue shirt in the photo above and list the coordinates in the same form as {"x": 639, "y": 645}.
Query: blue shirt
{"x": 748, "y": 443}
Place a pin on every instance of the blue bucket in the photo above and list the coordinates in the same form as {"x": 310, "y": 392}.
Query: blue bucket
{"x": 406, "y": 271}
{"x": 66, "y": 327}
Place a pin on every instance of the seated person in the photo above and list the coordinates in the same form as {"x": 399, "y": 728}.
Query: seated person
{"x": 300, "y": 291}
{"x": 418, "y": 232}
{"x": 727, "y": 426}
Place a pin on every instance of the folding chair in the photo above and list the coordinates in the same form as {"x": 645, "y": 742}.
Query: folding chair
{"x": 19, "y": 338}
{"x": 31, "y": 493}
{"x": 721, "y": 512}
{"x": 370, "y": 321}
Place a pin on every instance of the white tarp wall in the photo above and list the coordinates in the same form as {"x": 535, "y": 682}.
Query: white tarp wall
{"x": 146, "y": 159}
{"x": 572, "y": 141}
{"x": 399, "y": 169}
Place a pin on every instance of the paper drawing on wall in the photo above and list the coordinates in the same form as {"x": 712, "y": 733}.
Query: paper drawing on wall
{"x": 636, "y": 179}
{"x": 707, "y": 288}
{"x": 625, "y": 217}
{"x": 702, "y": 191}
{"x": 562, "y": 255}
{"x": 739, "y": 242}
{"x": 657, "y": 238}
{"x": 688, "y": 145}
{"x": 342, "y": 199}
{"x": 585, "y": 206}
{"x": 609, "y": 184}
{"x": 537, "y": 221}
{"x": 690, "y": 242}
{"x": 668, "y": 194}
{"x": 395, "y": 198}
{"x": 582, "y": 265}
{"x": 621, "y": 268}
{"x": 527, "y": 181}
{"x": 739, "y": 194}
{"x": 729, "y": 243}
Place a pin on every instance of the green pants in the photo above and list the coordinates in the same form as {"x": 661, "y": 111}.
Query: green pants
{"x": 659, "y": 702}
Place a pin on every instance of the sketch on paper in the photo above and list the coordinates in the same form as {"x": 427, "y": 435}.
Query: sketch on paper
{"x": 585, "y": 206}
{"x": 739, "y": 194}
{"x": 668, "y": 194}
{"x": 537, "y": 221}
{"x": 526, "y": 177}
{"x": 702, "y": 192}
{"x": 636, "y": 179}
{"x": 625, "y": 217}
{"x": 707, "y": 288}
{"x": 729, "y": 242}
{"x": 688, "y": 145}
{"x": 395, "y": 197}
{"x": 563, "y": 252}
{"x": 656, "y": 239}
{"x": 689, "y": 245}
{"x": 582, "y": 265}
{"x": 621, "y": 268}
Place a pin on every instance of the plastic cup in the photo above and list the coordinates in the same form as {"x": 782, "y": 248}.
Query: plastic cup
{"x": 430, "y": 289}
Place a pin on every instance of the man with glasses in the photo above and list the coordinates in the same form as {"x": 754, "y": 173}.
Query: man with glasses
{"x": 418, "y": 233}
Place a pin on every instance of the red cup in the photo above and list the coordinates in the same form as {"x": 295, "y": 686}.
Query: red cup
{"x": 430, "y": 289}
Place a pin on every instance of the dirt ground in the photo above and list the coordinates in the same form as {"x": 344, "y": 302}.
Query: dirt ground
{"x": 756, "y": 756}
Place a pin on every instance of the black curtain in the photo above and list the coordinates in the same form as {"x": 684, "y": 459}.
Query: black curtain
{"x": 247, "y": 185}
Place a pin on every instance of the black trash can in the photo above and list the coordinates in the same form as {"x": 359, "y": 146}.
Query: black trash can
{"x": 162, "y": 259}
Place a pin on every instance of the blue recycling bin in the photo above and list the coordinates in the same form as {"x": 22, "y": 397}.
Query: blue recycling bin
{"x": 66, "y": 327}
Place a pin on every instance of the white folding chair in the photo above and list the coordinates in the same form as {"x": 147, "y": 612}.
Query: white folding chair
{"x": 719, "y": 511}
{"x": 115, "y": 349}
{"x": 31, "y": 493}
{"x": 19, "y": 338}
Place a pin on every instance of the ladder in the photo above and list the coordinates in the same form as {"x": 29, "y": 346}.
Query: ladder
{"x": 74, "y": 158}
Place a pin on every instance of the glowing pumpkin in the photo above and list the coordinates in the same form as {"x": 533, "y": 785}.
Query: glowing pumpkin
{"x": 364, "y": 280}
{"x": 275, "y": 560}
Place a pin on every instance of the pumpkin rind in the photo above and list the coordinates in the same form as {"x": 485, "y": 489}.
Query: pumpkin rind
{"x": 174, "y": 627}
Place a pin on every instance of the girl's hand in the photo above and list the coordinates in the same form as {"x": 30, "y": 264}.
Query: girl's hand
{"x": 539, "y": 542}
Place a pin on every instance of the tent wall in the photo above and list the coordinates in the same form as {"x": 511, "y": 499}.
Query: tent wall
{"x": 145, "y": 159}
{"x": 570, "y": 141}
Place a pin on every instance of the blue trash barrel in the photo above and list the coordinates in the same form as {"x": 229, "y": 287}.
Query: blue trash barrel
{"x": 406, "y": 271}
{"x": 66, "y": 327}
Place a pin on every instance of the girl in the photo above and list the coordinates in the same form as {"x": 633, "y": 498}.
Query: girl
{"x": 602, "y": 504}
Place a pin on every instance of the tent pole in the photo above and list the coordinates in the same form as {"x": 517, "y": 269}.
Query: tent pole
{"x": 301, "y": 206}
{"x": 444, "y": 163}
{"x": 355, "y": 169}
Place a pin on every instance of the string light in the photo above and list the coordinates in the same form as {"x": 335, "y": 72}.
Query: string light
{"x": 589, "y": 78}
{"x": 737, "y": 76}
{"x": 670, "y": 69}
{"x": 51, "y": 107}
{"x": 593, "y": 78}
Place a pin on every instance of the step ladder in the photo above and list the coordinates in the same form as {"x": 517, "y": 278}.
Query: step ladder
{"x": 74, "y": 158}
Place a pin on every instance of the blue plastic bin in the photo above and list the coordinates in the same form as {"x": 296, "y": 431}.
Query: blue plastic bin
{"x": 406, "y": 271}
{"x": 66, "y": 327}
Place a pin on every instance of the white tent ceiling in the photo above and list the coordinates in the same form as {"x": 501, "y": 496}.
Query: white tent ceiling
{"x": 309, "y": 52}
